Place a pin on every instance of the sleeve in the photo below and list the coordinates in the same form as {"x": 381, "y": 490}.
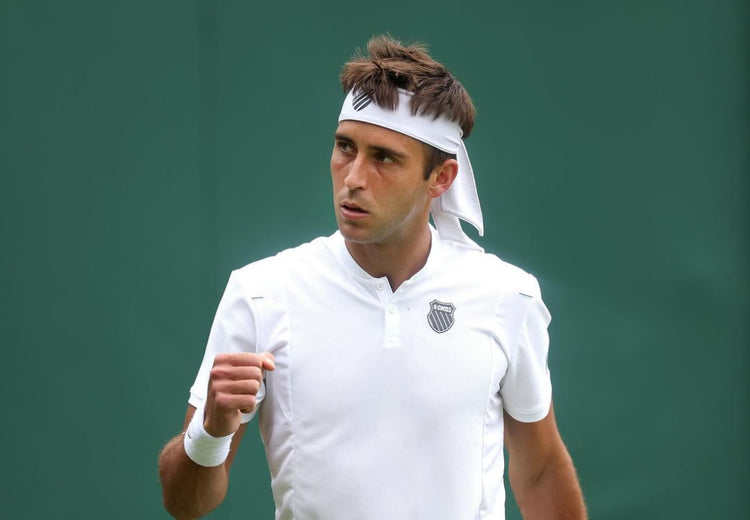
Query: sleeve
{"x": 526, "y": 389}
{"x": 233, "y": 330}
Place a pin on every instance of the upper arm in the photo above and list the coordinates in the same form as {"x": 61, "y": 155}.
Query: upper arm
{"x": 522, "y": 321}
{"x": 235, "y": 440}
{"x": 532, "y": 446}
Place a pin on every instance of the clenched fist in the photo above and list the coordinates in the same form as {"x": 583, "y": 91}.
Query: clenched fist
{"x": 234, "y": 382}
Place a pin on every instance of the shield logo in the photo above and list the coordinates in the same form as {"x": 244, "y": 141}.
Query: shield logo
{"x": 440, "y": 316}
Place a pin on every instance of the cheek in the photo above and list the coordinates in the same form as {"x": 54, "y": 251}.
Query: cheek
{"x": 332, "y": 163}
{"x": 337, "y": 165}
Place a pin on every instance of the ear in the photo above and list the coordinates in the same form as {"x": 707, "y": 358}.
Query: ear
{"x": 442, "y": 178}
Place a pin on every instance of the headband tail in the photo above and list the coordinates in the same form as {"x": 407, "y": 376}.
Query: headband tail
{"x": 461, "y": 201}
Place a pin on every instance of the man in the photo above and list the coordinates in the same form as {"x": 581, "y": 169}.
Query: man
{"x": 389, "y": 361}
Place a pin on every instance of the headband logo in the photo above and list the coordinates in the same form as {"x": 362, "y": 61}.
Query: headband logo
{"x": 360, "y": 101}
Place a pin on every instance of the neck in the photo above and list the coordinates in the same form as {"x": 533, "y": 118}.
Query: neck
{"x": 394, "y": 260}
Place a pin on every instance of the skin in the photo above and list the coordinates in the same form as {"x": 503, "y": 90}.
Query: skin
{"x": 189, "y": 490}
{"x": 541, "y": 472}
{"x": 381, "y": 200}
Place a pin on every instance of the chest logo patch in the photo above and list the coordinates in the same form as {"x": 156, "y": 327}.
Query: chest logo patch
{"x": 440, "y": 316}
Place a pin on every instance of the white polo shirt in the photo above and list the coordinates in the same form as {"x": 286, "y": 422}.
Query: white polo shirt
{"x": 387, "y": 405}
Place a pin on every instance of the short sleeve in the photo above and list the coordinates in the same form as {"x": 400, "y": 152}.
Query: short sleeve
{"x": 233, "y": 330}
{"x": 526, "y": 389}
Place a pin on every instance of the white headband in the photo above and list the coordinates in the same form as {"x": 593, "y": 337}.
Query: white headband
{"x": 461, "y": 201}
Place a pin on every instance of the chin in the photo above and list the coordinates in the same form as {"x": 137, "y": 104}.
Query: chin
{"x": 355, "y": 234}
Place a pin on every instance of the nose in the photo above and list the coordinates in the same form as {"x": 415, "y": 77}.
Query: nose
{"x": 356, "y": 175}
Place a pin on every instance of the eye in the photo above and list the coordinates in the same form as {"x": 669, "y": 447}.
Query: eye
{"x": 344, "y": 146}
{"x": 384, "y": 157}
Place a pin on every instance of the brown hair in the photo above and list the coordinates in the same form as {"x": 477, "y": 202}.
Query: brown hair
{"x": 390, "y": 66}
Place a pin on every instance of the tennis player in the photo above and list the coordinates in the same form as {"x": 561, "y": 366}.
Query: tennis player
{"x": 390, "y": 362}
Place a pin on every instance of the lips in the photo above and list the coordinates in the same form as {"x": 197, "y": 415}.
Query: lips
{"x": 351, "y": 209}
{"x": 353, "y": 206}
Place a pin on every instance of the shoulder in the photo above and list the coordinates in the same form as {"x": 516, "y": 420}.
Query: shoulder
{"x": 274, "y": 269}
{"x": 487, "y": 268}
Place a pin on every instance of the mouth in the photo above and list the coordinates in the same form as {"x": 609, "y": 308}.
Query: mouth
{"x": 352, "y": 210}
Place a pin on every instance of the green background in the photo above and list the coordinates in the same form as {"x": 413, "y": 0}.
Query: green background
{"x": 149, "y": 147}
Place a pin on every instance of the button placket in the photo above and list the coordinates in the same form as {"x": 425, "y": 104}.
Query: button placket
{"x": 392, "y": 327}
{"x": 391, "y": 317}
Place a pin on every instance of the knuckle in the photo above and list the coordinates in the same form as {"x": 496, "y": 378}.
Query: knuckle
{"x": 247, "y": 406}
{"x": 219, "y": 372}
{"x": 221, "y": 358}
{"x": 214, "y": 389}
{"x": 217, "y": 388}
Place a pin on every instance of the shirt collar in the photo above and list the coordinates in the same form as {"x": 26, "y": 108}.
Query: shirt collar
{"x": 343, "y": 255}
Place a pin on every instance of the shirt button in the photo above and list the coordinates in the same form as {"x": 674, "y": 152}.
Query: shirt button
{"x": 392, "y": 309}
{"x": 379, "y": 286}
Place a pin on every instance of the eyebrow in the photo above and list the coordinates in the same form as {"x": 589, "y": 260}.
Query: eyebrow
{"x": 382, "y": 149}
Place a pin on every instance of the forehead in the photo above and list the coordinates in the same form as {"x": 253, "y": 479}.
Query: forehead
{"x": 367, "y": 134}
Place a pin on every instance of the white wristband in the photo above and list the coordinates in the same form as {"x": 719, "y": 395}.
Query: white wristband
{"x": 202, "y": 447}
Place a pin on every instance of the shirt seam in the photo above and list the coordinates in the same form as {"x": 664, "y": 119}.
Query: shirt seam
{"x": 485, "y": 421}
{"x": 293, "y": 425}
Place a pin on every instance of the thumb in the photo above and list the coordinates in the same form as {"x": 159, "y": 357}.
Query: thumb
{"x": 268, "y": 361}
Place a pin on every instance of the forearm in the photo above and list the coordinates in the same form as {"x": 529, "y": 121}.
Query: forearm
{"x": 188, "y": 489}
{"x": 555, "y": 494}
